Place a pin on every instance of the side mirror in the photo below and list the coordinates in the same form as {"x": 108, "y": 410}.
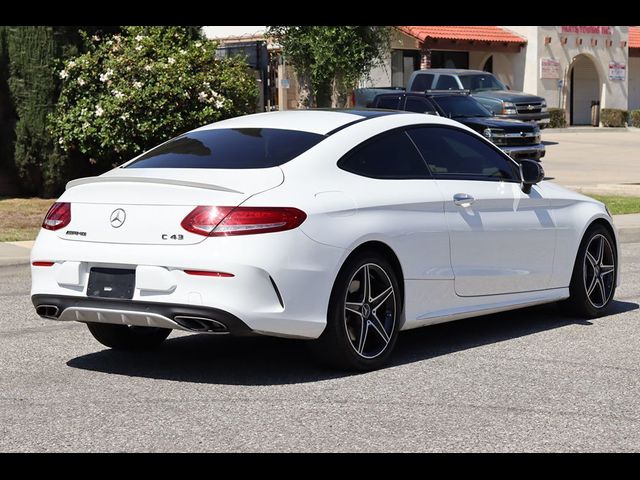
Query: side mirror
{"x": 532, "y": 173}
{"x": 508, "y": 87}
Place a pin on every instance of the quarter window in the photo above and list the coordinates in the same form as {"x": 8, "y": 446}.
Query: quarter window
{"x": 452, "y": 153}
{"x": 389, "y": 156}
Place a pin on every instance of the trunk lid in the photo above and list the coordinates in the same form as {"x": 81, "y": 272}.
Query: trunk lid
{"x": 146, "y": 206}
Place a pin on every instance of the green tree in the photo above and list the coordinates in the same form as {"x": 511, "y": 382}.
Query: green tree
{"x": 133, "y": 91}
{"x": 28, "y": 58}
{"x": 7, "y": 113}
{"x": 330, "y": 60}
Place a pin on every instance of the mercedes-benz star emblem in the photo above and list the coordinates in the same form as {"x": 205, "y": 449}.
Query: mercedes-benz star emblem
{"x": 117, "y": 218}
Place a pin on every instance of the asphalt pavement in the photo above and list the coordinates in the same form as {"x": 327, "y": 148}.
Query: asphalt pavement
{"x": 529, "y": 380}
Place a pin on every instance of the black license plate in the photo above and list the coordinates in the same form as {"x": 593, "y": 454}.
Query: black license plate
{"x": 111, "y": 283}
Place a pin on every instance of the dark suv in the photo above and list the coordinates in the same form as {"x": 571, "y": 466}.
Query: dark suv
{"x": 519, "y": 140}
{"x": 487, "y": 89}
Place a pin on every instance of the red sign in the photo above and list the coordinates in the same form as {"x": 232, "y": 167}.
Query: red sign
{"x": 587, "y": 30}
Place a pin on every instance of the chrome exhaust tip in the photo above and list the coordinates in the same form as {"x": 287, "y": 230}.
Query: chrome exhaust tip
{"x": 48, "y": 311}
{"x": 199, "y": 324}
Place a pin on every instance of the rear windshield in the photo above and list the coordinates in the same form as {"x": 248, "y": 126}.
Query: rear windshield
{"x": 229, "y": 148}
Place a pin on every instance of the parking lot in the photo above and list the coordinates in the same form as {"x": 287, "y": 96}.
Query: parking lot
{"x": 528, "y": 380}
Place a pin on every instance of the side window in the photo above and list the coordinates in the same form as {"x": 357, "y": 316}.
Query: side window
{"x": 422, "y": 82}
{"x": 392, "y": 103}
{"x": 447, "y": 82}
{"x": 419, "y": 105}
{"x": 452, "y": 153}
{"x": 391, "y": 156}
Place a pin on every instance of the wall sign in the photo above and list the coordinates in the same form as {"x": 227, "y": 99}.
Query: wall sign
{"x": 588, "y": 30}
{"x": 549, "y": 68}
{"x": 617, "y": 71}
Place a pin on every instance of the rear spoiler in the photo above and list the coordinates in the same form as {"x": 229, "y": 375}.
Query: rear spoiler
{"x": 164, "y": 181}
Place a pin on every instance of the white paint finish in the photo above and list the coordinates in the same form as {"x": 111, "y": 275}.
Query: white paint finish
{"x": 70, "y": 274}
{"x": 503, "y": 242}
{"x": 344, "y": 211}
{"x": 232, "y": 31}
{"x": 314, "y": 121}
{"x": 155, "y": 279}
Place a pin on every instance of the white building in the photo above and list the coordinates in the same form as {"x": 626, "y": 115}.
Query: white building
{"x": 571, "y": 66}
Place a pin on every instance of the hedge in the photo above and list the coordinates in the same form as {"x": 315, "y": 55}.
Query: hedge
{"x": 613, "y": 117}
{"x": 558, "y": 118}
{"x": 634, "y": 118}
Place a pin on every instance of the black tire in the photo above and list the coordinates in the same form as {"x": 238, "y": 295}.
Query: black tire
{"x": 336, "y": 346}
{"x": 123, "y": 337}
{"x": 585, "y": 276}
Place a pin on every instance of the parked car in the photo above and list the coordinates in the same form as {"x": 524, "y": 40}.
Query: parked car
{"x": 339, "y": 227}
{"x": 487, "y": 89}
{"x": 518, "y": 139}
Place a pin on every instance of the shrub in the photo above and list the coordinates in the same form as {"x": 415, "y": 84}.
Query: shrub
{"x": 133, "y": 91}
{"x": 558, "y": 118}
{"x": 634, "y": 118}
{"x": 613, "y": 117}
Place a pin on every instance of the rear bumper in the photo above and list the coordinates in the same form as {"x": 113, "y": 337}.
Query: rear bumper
{"x": 148, "y": 314}
{"x": 534, "y": 152}
{"x": 280, "y": 286}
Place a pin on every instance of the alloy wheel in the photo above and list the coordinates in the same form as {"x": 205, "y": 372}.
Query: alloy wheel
{"x": 599, "y": 271}
{"x": 370, "y": 311}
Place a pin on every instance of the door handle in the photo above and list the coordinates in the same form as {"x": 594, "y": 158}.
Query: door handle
{"x": 463, "y": 199}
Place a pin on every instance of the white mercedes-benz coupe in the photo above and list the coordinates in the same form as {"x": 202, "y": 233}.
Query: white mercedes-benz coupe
{"x": 339, "y": 227}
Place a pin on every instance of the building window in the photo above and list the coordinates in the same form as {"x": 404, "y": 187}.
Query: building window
{"x": 446, "y": 59}
{"x": 403, "y": 64}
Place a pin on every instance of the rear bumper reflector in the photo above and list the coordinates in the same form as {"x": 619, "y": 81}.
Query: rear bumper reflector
{"x": 204, "y": 273}
{"x": 42, "y": 264}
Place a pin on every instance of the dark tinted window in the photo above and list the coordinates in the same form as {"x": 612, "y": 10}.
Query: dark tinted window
{"x": 422, "y": 82}
{"x": 447, "y": 82}
{"x": 419, "y": 105}
{"x": 391, "y": 103}
{"x": 451, "y": 153}
{"x": 480, "y": 82}
{"x": 388, "y": 156}
{"x": 461, "y": 106}
{"x": 229, "y": 148}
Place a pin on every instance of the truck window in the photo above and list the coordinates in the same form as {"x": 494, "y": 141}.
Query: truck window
{"x": 422, "y": 82}
{"x": 447, "y": 82}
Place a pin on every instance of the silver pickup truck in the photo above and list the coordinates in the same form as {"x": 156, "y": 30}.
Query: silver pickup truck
{"x": 483, "y": 86}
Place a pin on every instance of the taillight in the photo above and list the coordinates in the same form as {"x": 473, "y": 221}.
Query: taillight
{"x": 226, "y": 221}
{"x": 58, "y": 216}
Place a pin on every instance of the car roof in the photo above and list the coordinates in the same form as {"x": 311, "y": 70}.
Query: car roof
{"x": 454, "y": 71}
{"x": 320, "y": 121}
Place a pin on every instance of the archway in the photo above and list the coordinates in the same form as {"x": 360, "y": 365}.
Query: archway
{"x": 584, "y": 89}
{"x": 488, "y": 65}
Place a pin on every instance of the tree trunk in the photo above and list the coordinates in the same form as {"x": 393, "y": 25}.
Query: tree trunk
{"x": 305, "y": 93}
{"x": 339, "y": 92}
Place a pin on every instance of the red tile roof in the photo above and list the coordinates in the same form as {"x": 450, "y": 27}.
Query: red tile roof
{"x": 485, "y": 34}
{"x": 634, "y": 37}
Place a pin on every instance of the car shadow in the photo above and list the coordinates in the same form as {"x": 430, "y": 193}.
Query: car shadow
{"x": 547, "y": 142}
{"x": 275, "y": 361}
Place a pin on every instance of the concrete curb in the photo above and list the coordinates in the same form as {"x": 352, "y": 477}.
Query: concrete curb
{"x": 590, "y": 130}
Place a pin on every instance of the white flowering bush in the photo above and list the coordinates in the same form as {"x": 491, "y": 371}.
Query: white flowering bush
{"x": 133, "y": 91}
